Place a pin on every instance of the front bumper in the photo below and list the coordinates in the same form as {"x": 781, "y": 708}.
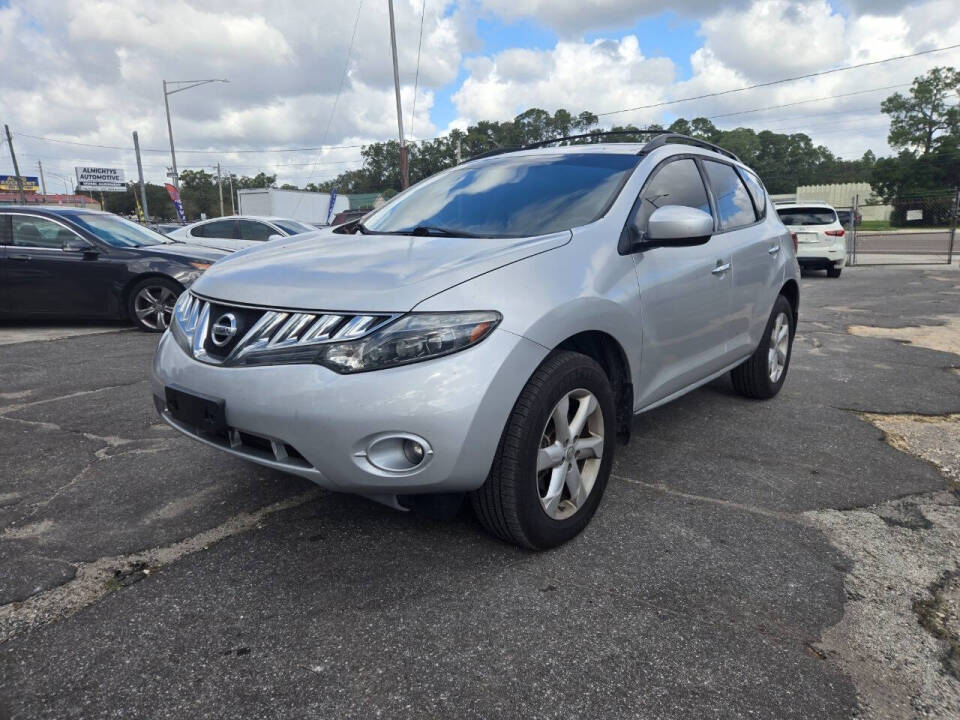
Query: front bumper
{"x": 313, "y": 422}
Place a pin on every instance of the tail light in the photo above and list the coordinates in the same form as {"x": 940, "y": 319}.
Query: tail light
{"x": 794, "y": 237}
{"x": 834, "y": 233}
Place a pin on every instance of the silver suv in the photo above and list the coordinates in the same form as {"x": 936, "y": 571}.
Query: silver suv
{"x": 492, "y": 330}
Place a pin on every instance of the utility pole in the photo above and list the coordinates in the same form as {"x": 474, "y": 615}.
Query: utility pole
{"x": 233, "y": 208}
{"x": 16, "y": 168}
{"x": 404, "y": 173}
{"x": 143, "y": 187}
{"x": 186, "y": 85}
{"x": 220, "y": 189}
{"x": 43, "y": 183}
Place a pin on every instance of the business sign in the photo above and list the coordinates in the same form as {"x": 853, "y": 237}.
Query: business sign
{"x": 8, "y": 183}
{"x": 175, "y": 199}
{"x": 101, "y": 179}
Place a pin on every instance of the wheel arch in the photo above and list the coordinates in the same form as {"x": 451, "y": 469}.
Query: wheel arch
{"x": 610, "y": 355}
{"x": 791, "y": 291}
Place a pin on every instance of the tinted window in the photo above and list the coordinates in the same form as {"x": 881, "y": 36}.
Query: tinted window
{"x": 755, "y": 187}
{"x": 250, "y": 230}
{"x": 116, "y": 231}
{"x": 807, "y": 216}
{"x": 510, "y": 196}
{"x": 292, "y": 227}
{"x": 676, "y": 183}
{"x": 223, "y": 229}
{"x": 734, "y": 207}
{"x": 38, "y": 232}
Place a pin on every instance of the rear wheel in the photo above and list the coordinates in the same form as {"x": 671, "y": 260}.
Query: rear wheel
{"x": 762, "y": 374}
{"x": 151, "y": 301}
{"x": 554, "y": 456}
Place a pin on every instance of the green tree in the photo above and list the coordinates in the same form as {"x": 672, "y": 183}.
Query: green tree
{"x": 920, "y": 119}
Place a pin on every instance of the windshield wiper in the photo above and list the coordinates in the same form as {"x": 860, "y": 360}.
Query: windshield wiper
{"x": 431, "y": 230}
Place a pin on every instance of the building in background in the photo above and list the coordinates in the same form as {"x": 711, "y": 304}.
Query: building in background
{"x": 840, "y": 195}
{"x": 77, "y": 201}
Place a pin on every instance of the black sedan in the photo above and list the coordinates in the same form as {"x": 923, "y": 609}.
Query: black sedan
{"x": 84, "y": 263}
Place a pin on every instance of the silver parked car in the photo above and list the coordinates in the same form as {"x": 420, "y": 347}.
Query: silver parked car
{"x": 492, "y": 330}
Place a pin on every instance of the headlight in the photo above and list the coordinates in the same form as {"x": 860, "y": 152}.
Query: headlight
{"x": 200, "y": 265}
{"x": 410, "y": 339}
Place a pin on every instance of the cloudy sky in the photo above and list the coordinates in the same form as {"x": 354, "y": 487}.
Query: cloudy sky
{"x": 90, "y": 71}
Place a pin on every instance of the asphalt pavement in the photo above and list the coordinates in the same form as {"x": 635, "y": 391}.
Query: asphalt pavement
{"x": 145, "y": 575}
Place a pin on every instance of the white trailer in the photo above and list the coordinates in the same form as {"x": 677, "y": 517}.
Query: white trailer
{"x": 303, "y": 205}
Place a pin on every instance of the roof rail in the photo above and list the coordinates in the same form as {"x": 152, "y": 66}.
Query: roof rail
{"x": 663, "y": 138}
{"x": 660, "y": 139}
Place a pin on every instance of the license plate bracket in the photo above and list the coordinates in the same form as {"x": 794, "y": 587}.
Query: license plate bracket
{"x": 202, "y": 412}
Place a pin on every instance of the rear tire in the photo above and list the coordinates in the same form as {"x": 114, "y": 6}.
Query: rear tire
{"x": 762, "y": 374}
{"x": 834, "y": 272}
{"x": 533, "y": 496}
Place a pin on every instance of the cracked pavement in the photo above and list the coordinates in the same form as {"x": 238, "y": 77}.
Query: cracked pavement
{"x": 787, "y": 559}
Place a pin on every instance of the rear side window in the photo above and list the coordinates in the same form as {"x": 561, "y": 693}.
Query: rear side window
{"x": 734, "y": 206}
{"x": 223, "y": 229}
{"x": 807, "y": 216}
{"x": 676, "y": 183}
{"x": 250, "y": 230}
{"x": 755, "y": 187}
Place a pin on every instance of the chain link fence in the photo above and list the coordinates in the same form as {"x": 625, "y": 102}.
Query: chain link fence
{"x": 914, "y": 230}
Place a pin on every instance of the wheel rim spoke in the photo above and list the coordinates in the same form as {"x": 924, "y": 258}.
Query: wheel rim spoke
{"x": 575, "y": 486}
{"x": 143, "y": 313}
{"x": 550, "y": 457}
{"x": 585, "y": 407}
{"x": 551, "y": 501}
{"x": 589, "y": 447}
{"x": 561, "y": 424}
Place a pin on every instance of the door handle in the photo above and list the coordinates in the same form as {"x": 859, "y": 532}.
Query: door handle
{"x": 720, "y": 269}
{"x": 774, "y": 250}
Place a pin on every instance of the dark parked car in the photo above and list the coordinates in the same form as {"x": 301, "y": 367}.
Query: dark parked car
{"x": 844, "y": 217}
{"x": 84, "y": 263}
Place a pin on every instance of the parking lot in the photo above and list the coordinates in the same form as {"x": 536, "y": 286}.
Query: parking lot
{"x": 795, "y": 558}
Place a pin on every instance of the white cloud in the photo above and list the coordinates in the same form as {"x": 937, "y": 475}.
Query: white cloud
{"x": 575, "y": 75}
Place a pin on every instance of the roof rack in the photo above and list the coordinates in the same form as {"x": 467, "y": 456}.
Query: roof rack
{"x": 660, "y": 139}
{"x": 663, "y": 138}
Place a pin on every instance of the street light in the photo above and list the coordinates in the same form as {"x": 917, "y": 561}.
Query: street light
{"x": 66, "y": 190}
{"x": 187, "y": 85}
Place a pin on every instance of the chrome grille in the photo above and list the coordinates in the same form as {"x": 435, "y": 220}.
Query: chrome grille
{"x": 272, "y": 330}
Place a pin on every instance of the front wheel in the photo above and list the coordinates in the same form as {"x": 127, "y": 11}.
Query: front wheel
{"x": 762, "y": 374}
{"x": 554, "y": 457}
{"x": 834, "y": 272}
{"x": 150, "y": 303}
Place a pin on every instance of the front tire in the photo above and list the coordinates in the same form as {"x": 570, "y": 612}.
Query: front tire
{"x": 150, "y": 303}
{"x": 762, "y": 374}
{"x": 834, "y": 272}
{"x": 554, "y": 456}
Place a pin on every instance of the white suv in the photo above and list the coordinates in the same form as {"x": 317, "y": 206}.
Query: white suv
{"x": 492, "y": 330}
{"x": 821, "y": 239}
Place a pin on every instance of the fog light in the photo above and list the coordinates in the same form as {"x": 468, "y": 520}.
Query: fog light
{"x": 413, "y": 452}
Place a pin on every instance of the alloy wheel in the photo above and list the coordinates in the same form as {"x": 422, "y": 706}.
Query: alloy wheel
{"x": 571, "y": 448}
{"x": 153, "y": 306}
{"x": 779, "y": 346}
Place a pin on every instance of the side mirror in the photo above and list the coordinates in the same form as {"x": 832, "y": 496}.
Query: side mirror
{"x": 274, "y": 237}
{"x": 679, "y": 225}
{"x": 76, "y": 244}
{"x": 669, "y": 226}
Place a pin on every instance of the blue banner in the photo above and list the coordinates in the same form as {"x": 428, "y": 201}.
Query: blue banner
{"x": 333, "y": 201}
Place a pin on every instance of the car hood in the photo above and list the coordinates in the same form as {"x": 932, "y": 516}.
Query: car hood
{"x": 182, "y": 251}
{"x": 371, "y": 273}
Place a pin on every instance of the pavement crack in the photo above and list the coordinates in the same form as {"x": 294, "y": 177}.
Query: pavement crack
{"x": 667, "y": 490}
{"x": 96, "y": 579}
{"x": 80, "y": 393}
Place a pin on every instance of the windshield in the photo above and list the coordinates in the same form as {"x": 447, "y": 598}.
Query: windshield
{"x": 807, "y": 216}
{"x": 292, "y": 227}
{"x": 509, "y": 196}
{"x": 118, "y": 232}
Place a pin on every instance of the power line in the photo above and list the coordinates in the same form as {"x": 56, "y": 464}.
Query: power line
{"x": 416, "y": 78}
{"x": 803, "y": 102}
{"x": 778, "y": 82}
